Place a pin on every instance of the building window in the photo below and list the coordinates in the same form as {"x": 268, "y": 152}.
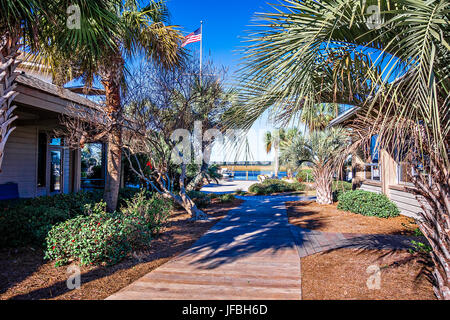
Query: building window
{"x": 402, "y": 173}
{"x": 55, "y": 170}
{"x": 372, "y": 171}
{"x": 55, "y": 142}
{"x": 42, "y": 159}
{"x": 93, "y": 166}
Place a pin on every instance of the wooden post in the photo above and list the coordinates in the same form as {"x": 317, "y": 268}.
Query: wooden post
{"x": 388, "y": 171}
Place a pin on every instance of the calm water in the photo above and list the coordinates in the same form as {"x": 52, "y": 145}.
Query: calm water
{"x": 253, "y": 175}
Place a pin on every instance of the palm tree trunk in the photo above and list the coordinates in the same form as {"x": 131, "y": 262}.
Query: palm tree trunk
{"x": 434, "y": 221}
{"x": 322, "y": 178}
{"x": 111, "y": 79}
{"x": 186, "y": 202}
{"x": 277, "y": 159}
{"x": 9, "y": 47}
{"x": 114, "y": 164}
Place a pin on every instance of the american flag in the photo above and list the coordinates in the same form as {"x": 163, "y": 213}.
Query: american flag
{"x": 195, "y": 36}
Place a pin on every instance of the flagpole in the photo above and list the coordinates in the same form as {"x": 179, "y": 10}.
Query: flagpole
{"x": 201, "y": 50}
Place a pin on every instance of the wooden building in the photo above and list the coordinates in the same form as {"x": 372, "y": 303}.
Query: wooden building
{"x": 380, "y": 173}
{"x": 35, "y": 159}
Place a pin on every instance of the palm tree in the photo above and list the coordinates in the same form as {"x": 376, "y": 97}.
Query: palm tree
{"x": 333, "y": 51}
{"x": 317, "y": 117}
{"x": 142, "y": 32}
{"x": 145, "y": 33}
{"x": 321, "y": 149}
{"x": 272, "y": 142}
{"x": 29, "y": 25}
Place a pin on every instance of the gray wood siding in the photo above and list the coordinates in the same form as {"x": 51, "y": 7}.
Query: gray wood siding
{"x": 406, "y": 203}
{"x": 371, "y": 188}
{"x": 19, "y": 164}
{"x": 66, "y": 170}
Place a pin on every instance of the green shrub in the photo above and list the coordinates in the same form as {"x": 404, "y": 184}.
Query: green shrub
{"x": 420, "y": 247}
{"x": 305, "y": 175}
{"x": 25, "y": 222}
{"x": 99, "y": 237}
{"x": 270, "y": 186}
{"x": 368, "y": 204}
{"x": 201, "y": 199}
{"x": 226, "y": 198}
{"x": 339, "y": 187}
{"x": 153, "y": 210}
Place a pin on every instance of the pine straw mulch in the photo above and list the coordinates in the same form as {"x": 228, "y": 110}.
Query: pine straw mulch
{"x": 342, "y": 275}
{"x": 25, "y": 275}
{"x": 327, "y": 218}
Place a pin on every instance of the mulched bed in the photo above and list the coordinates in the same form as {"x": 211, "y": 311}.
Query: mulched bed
{"x": 342, "y": 275}
{"x": 327, "y": 218}
{"x": 25, "y": 275}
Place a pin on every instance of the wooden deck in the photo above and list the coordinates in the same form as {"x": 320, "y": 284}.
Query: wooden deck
{"x": 251, "y": 254}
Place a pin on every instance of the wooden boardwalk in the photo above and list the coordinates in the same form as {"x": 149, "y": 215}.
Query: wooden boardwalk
{"x": 250, "y": 254}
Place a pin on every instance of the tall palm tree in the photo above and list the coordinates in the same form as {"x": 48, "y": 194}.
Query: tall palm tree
{"x": 142, "y": 32}
{"x": 28, "y": 24}
{"x": 272, "y": 142}
{"x": 145, "y": 33}
{"x": 334, "y": 51}
{"x": 321, "y": 149}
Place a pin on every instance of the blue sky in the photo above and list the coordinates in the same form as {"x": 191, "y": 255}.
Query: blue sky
{"x": 224, "y": 26}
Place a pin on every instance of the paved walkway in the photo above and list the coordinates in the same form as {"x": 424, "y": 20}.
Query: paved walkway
{"x": 253, "y": 253}
{"x": 228, "y": 186}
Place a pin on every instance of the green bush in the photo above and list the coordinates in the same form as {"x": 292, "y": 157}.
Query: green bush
{"x": 201, "y": 199}
{"x": 26, "y": 222}
{"x": 270, "y": 186}
{"x": 106, "y": 238}
{"x": 226, "y": 198}
{"x": 305, "y": 175}
{"x": 153, "y": 210}
{"x": 368, "y": 204}
{"x": 340, "y": 187}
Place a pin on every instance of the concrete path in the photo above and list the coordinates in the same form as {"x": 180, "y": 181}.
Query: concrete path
{"x": 253, "y": 253}
{"x": 228, "y": 186}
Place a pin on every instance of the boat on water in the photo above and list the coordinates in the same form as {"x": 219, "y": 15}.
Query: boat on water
{"x": 226, "y": 173}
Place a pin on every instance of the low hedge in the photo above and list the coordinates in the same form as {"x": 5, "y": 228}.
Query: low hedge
{"x": 270, "y": 186}
{"x": 368, "y": 204}
{"x": 202, "y": 199}
{"x": 340, "y": 187}
{"x": 26, "y": 222}
{"x": 106, "y": 238}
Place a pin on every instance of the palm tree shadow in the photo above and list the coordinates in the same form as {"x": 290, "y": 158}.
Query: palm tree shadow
{"x": 256, "y": 228}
